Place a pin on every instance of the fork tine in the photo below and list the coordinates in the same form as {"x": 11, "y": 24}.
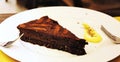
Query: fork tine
{"x": 19, "y": 37}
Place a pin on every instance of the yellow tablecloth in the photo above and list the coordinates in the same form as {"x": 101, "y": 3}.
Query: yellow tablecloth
{"x": 118, "y": 18}
{"x": 5, "y": 58}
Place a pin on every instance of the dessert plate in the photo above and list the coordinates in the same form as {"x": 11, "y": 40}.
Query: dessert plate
{"x": 70, "y": 18}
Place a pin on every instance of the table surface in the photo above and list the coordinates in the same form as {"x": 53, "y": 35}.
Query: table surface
{"x": 4, "y": 16}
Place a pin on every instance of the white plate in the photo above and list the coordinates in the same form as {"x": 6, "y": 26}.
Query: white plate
{"x": 70, "y": 18}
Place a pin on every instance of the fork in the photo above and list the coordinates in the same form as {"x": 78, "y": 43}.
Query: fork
{"x": 110, "y": 35}
{"x": 9, "y": 43}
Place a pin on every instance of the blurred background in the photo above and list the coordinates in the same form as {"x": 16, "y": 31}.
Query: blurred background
{"x": 111, "y": 7}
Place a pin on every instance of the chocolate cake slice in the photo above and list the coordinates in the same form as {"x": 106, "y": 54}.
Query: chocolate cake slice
{"x": 47, "y": 32}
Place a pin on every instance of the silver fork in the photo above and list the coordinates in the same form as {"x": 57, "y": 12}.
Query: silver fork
{"x": 9, "y": 43}
{"x": 110, "y": 35}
